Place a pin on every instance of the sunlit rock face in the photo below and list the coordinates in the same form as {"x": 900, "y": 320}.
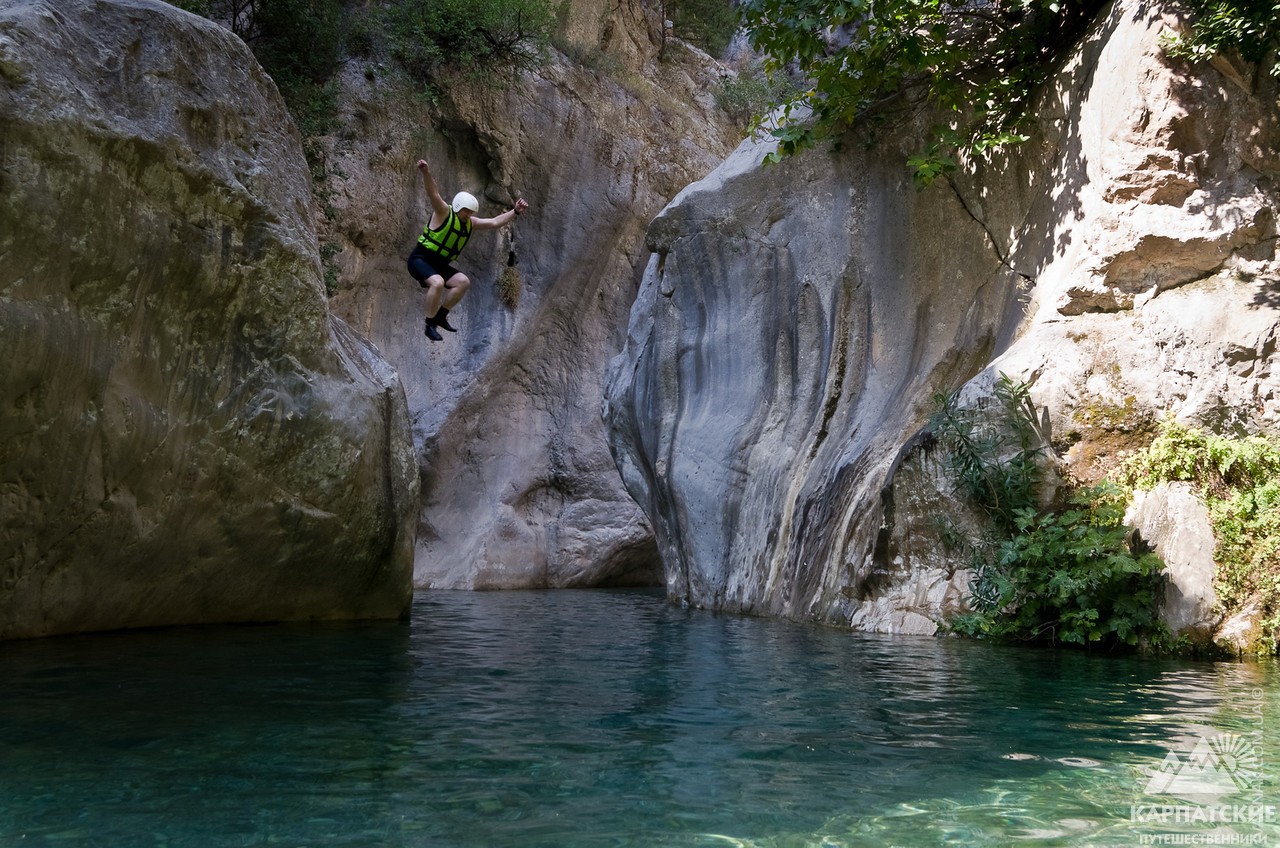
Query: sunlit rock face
{"x": 186, "y": 434}
{"x": 794, "y": 321}
{"x": 790, "y": 326}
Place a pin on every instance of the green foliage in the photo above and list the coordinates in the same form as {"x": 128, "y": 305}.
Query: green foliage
{"x": 1063, "y": 574}
{"x": 710, "y": 24}
{"x": 1251, "y": 27}
{"x": 1069, "y": 576}
{"x": 298, "y": 41}
{"x": 751, "y": 92}
{"x": 872, "y": 64}
{"x": 478, "y": 37}
{"x": 1239, "y": 480}
{"x": 995, "y": 459}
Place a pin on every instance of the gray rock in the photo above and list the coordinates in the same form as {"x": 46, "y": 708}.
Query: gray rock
{"x": 790, "y": 326}
{"x": 1175, "y": 523}
{"x": 520, "y": 489}
{"x": 793, "y": 322}
{"x": 1242, "y": 632}
{"x": 186, "y": 434}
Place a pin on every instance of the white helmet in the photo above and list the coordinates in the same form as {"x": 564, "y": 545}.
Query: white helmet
{"x": 463, "y": 200}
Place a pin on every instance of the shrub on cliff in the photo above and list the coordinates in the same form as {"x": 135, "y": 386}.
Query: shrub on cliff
{"x": 1239, "y": 481}
{"x": 476, "y": 36}
{"x": 978, "y": 65}
{"x": 1061, "y": 573}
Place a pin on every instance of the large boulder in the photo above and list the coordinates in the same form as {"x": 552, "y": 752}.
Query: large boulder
{"x": 1173, "y": 521}
{"x": 186, "y": 434}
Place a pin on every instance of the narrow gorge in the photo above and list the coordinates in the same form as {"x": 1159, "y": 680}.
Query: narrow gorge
{"x": 709, "y": 374}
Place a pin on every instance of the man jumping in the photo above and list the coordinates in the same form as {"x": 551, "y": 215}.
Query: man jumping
{"x": 442, "y": 239}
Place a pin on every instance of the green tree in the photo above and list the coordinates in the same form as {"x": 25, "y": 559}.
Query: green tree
{"x": 478, "y": 36}
{"x": 1250, "y": 26}
{"x": 871, "y": 63}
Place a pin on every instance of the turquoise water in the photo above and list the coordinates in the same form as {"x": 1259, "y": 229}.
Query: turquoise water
{"x": 606, "y": 719}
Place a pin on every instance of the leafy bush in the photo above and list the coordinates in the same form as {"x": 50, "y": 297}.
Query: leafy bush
{"x": 751, "y": 92}
{"x": 995, "y": 459}
{"x": 880, "y": 63}
{"x": 1069, "y": 576}
{"x": 1239, "y": 480}
{"x": 1056, "y": 574}
{"x": 474, "y": 36}
{"x": 1250, "y": 26}
{"x": 710, "y": 24}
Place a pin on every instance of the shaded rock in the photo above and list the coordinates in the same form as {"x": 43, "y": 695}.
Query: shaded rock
{"x": 186, "y": 434}
{"x": 1187, "y": 280}
{"x": 1143, "y": 211}
{"x": 519, "y": 487}
{"x": 1175, "y": 523}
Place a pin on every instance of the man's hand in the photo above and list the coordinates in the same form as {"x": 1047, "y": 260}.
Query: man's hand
{"x": 422, "y": 164}
{"x": 521, "y": 205}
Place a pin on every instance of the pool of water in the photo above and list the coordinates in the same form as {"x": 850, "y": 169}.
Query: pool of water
{"x": 610, "y": 718}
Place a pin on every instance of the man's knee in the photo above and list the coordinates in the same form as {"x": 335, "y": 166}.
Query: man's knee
{"x": 458, "y": 281}
{"x": 435, "y": 281}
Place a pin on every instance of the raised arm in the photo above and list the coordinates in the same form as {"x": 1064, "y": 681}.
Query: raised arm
{"x": 438, "y": 205}
{"x": 502, "y": 220}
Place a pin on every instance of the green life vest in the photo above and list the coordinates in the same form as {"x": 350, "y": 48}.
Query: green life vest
{"x": 449, "y": 240}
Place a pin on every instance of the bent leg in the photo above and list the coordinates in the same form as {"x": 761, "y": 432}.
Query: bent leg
{"x": 455, "y": 287}
{"x": 435, "y": 293}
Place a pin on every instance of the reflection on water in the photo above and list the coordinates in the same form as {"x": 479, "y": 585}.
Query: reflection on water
{"x": 603, "y": 718}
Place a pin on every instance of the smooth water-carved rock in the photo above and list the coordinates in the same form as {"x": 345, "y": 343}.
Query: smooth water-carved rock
{"x": 793, "y": 322}
{"x": 519, "y": 487}
{"x": 186, "y": 434}
{"x": 790, "y": 328}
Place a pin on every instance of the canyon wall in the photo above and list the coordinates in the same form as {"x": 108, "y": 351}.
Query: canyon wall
{"x": 794, "y": 321}
{"x": 186, "y": 433}
{"x": 519, "y": 487}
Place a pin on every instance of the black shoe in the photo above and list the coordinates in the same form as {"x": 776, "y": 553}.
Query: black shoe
{"x": 442, "y": 320}
{"x": 432, "y": 333}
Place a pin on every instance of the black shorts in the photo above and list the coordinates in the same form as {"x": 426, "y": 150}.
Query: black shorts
{"x": 425, "y": 263}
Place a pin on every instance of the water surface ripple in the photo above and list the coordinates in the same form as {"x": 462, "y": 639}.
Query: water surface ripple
{"x": 603, "y": 719}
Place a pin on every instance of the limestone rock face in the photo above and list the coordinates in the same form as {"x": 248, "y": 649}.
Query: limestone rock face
{"x": 790, "y": 326}
{"x": 1156, "y": 271}
{"x": 186, "y": 434}
{"x": 519, "y": 487}
{"x": 794, "y": 321}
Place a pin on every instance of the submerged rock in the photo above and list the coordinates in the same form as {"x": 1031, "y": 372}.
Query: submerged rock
{"x": 186, "y": 434}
